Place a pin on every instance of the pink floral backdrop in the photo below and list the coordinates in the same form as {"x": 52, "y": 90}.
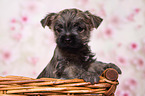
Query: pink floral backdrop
{"x": 26, "y": 48}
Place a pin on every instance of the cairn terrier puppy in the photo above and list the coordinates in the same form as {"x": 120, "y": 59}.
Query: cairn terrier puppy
{"x": 72, "y": 56}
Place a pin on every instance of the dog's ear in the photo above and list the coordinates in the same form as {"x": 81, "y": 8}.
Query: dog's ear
{"x": 48, "y": 19}
{"x": 95, "y": 20}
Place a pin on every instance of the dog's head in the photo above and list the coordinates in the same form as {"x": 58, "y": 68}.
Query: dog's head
{"x": 71, "y": 27}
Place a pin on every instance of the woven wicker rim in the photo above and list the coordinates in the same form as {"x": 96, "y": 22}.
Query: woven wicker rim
{"x": 24, "y": 86}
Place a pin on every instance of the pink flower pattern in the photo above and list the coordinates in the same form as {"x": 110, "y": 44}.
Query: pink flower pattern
{"x": 119, "y": 39}
{"x": 6, "y": 56}
{"x": 122, "y": 61}
{"x": 24, "y": 19}
{"x": 17, "y": 36}
{"x": 134, "y": 46}
{"x": 139, "y": 62}
{"x": 131, "y": 84}
{"x": 126, "y": 93}
{"x": 33, "y": 60}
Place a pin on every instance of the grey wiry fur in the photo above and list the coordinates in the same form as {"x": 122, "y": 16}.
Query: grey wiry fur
{"x": 73, "y": 57}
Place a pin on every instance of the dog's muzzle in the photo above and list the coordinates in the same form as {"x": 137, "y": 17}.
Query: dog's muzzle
{"x": 69, "y": 41}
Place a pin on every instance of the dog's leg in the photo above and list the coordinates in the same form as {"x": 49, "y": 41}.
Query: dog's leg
{"x": 99, "y": 67}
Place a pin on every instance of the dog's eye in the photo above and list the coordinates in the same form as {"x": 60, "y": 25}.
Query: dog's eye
{"x": 60, "y": 26}
{"x": 80, "y": 29}
{"x": 76, "y": 24}
{"x": 58, "y": 30}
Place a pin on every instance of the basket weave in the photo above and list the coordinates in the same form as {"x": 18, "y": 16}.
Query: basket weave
{"x": 24, "y": 86}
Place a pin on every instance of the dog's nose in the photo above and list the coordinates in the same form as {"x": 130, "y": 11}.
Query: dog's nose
{"x": 68, "y": 38}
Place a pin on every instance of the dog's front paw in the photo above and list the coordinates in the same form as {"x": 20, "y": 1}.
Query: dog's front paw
{"x": 90, "y": 77}
{"x": 110, "y": 65}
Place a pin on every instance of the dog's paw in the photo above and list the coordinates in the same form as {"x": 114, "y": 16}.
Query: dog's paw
{"x": 110, "y": 65}
{"x": 90, "y": 77}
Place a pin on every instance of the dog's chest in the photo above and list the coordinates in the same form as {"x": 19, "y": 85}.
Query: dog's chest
{"x": 74, "y": 62}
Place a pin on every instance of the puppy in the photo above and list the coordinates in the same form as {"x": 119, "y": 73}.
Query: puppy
{"x": 72, "y": 56}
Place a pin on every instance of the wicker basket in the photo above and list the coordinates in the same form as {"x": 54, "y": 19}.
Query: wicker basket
{"x": 24, "y": 86}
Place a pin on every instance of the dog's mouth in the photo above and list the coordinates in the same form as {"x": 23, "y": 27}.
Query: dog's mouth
{"x": 68, "y": 41}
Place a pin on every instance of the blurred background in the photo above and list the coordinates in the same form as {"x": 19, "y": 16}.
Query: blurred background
{"x": 26, "y": 48}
